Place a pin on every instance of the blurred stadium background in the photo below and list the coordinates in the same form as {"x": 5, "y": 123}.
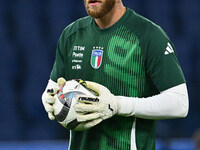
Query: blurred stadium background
{"x": 29, "y": 30}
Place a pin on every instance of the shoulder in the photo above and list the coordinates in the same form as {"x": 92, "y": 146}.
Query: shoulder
{"x": 72, "y": 29}
{"x": 76, "y": 26}
{"x": 144, "y": 26}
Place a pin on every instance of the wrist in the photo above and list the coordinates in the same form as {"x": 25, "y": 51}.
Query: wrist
{"x": 125, "y": 106}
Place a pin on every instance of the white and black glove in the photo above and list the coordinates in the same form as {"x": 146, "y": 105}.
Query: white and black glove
{"x": 93, "y": 109}
{"x": 48, "y": 98}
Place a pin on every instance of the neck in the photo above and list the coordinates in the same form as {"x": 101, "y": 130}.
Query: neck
{"x": 112, "y": 17}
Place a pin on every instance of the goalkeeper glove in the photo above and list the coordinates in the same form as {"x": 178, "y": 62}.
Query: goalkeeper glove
{"x": 48, "y": 98}
{"x": 93, "y": 109}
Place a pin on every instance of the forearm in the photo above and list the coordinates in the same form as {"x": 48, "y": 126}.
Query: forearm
{"x": 171, "y": 103}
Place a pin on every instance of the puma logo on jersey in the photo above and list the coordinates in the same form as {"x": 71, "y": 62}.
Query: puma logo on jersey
{"x": 169, "y": 49}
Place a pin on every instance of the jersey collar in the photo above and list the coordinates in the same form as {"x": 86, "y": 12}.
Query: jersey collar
{"x": 121, "y": 21}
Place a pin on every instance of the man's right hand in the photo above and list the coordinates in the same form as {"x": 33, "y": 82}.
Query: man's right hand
{"x": 48, "y": 100}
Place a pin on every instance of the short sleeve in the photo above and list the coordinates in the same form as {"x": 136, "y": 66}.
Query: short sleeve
{"x": 59, "y": 64}
{"x": 161, "y": 61}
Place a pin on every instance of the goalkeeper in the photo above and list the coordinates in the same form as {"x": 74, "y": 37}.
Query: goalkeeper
{"x": 133, "y": 66}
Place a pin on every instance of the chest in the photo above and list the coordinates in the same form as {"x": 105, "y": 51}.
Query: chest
{"x": 94, "y": 53}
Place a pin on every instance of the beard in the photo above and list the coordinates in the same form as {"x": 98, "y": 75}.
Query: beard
{"x": 99, "y": 11}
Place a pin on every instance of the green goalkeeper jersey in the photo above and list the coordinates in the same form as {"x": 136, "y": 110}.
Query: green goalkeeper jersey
{"x": 133, "y": 58}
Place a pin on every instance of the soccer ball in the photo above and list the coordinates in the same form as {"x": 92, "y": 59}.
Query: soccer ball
{"x": 65, "y": 101}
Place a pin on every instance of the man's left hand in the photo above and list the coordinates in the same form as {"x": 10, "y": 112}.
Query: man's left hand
{"x": 92, "y": 110}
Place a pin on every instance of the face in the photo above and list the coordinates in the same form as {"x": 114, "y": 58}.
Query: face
{"x": 98, "y": 8}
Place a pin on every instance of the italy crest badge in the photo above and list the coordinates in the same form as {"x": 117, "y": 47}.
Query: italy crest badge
{"x": 96, "y": 58}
